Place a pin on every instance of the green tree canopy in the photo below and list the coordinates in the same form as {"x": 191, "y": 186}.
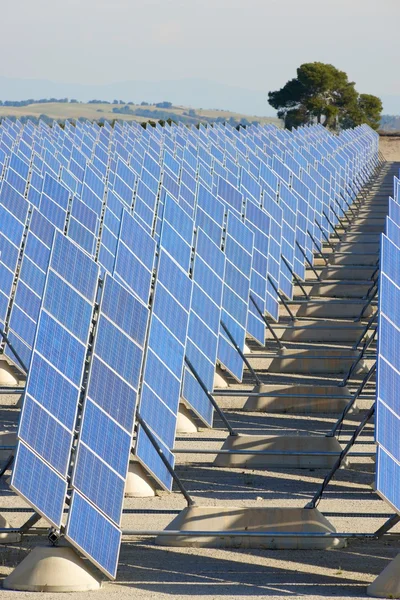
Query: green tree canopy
{"x": 323, "y": 93}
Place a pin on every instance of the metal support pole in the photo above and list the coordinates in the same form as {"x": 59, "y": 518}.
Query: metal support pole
{"x": 29, "y": 523}
{"x": 210, "y": 397}
{"x": 348, "y": 206}
{"x": 338, "y": 218}
{"x": 241, "y": 354}
{"x": 308, "y": 261}
{"x": 281, "y": 298}
{"x": 332, "y": 226}
{"x": 364, "y": 331}
{"x": 344, "y": 214}
{"x": 390, "y": 523}
{"x": 348, "y": 406}
{"x": 317, "y": 496}
{"x": 182, "y": 489}
{"x": 319, "y": 250}
{"x": 270, "y": 328}
{"x": 13, "y": 350}
{"x": 297, "y": 280}
{"x": 365, "y": 347}
{"x": 360, "y": 316}
{"x": 325, "y": 236}
{"x": 7, "y": 465}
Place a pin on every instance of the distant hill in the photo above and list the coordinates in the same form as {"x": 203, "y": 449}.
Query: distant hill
{"x": 100, "y": 110}
{"x": 390, "y": 123}
{"x": 192, "y": 92}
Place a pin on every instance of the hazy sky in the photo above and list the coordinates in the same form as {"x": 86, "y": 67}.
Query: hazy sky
{"x": 254, "y": 44}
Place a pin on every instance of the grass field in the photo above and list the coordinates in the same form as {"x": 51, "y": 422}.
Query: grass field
{"x": 64, "y": 110}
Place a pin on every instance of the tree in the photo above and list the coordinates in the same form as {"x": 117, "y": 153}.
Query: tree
{"x": 323, "y": 93}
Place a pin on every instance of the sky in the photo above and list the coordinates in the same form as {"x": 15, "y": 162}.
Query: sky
{"x": 252, "y": 44}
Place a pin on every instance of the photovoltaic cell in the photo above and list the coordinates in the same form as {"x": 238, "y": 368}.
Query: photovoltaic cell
{"x": 239, "y": 256}
{"x": 204, "y": 324}
{"x": 163, "y": 370}
{"x": 60, "y": 344}
{"x": 135, "y": 256}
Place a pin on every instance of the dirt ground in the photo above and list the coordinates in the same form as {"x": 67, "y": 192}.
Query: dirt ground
{"x": 390, "y": 147}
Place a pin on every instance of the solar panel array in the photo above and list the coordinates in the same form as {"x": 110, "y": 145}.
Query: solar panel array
{"x": 388, "y": 366}
{"x": 126, "y": 250}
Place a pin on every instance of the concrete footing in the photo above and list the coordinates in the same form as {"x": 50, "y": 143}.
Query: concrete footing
{"x": 338, "y": 290}
{"x": 387, "y": 584}
{"x": 252, "y": 520}
{"x": 220, "y": 379}
{"x": 8, "y": 538}
{"x": 298, "y": 399}
{"x": 319, "y": 331}
{"x": 7, "y": 438}
{"x": 348, "y": 273}
{"x": 138, "y": 482}
{"x": 355, "y": 259}
{"x": 185, "y": 421}
{"x": 7, "y": 375}
{"x": 52, "y": 569}
{"x": 330, "y": 310}
{"x": 283, "y": 446}
{"x": 305, "y": 361}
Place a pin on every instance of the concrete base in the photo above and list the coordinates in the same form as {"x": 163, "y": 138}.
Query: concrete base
{"x": 354, "y": 259}
{"x": 211, "y": 518}
{"x": 8, "y": 538}
{"x": 387, "y": 584}
{"x": 138, "y": 482}
{"x": 220, "y": 379}
{"x": 319, "y": 331}
{"x": 347, "y": 273}
{"x": 285, "y": 399}
{"x": 7, "y": 375}
{"x": 185, "y": 422}
{"x": 52, "y": 569}
{"x": 331, "y": 362}
{"x": 330, "y": 310}
{"x": 7, "y": 438}
{"x": 280, "y": 444}
{"x": 358, "y": 247}
{"x": 333, "y": 289}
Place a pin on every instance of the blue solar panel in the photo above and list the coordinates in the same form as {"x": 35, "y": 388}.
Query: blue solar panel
{"x": 258, "y": 221}
{"x": 163, "y": 369}
{"x": 177, "y": 233}
{"x": 239, "y": 255}
{"x": 85, "y": 527}
{"x": 30, "y": 285}
{"x": 230, "y": 196}
{"x": 388, "y": 376}
{"x": 210, "y": 215}
{"x": 104, "y": 443}
{"x": 58, "y": 356}
{"x": 13, "y": 215}
{"x": 83, "y": 226}
{"x": 135, "y": 257}
{"x": 204, "y": 324}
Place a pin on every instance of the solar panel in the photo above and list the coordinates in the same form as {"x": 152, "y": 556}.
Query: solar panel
{"x": 53, "y": 386}
{"x": 163, "y": 371}
{"x": 109, "y": 233}
{"x": 239, "y": 256}
{"x": 210, "y": 214}
{"x": 388, "y": 379}
{"x": 177, "y": 233}
{"x": 106, "y": 431}
{"x": 30, "y": 286}
{"x": 204, "y": 324}
{"x": 13, "y": 216}
{"x": 135, "y": 256}
{"x": 258, "y": 221}
{"x": 288, "y": 202}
